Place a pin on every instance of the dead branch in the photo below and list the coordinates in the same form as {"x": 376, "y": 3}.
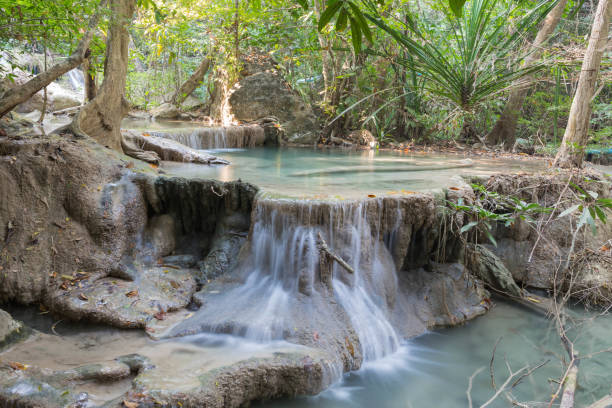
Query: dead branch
{"x": 469, "y": 388}
{"x": 323, "y": 247}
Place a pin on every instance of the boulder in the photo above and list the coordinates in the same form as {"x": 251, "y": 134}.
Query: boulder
{"x": 165, "y": 111}
{"x": 361, "y": 137}
{"x": 267, "y": 94}
{"x": 10, "y": 330}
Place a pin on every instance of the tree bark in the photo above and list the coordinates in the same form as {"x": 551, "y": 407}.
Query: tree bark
{"x": 12, "y": 98}
{"x": 504, "y": 130}
{"x": 90, "y": 81}
{"x": 101, "y": 118}
{"x": 571, "y": 152}
{"x": 192, "y": 82}
{"x": 218, "y": 108}
{"x": 326, "y": 57}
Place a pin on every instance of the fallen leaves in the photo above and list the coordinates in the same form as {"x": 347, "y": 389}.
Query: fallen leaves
{"x": 130, "y": 404}
{"x": 17, "y": 366}
{"x": 132, "y": 293}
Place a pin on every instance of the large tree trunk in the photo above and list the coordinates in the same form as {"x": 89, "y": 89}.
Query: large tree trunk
{"x": 218, "y": 108}
{"x": 101, "y": 118}
{"x": 12, "y": 98}
{"x": 571, "y": 152}
{"x": 504, "y": 130}
{"x": 192, "y": 83}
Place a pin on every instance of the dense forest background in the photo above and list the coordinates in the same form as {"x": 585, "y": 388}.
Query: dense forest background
{"x": 355, "y": 73}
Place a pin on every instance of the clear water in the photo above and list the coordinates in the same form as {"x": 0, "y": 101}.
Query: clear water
{"x": 433, "y": 370}
{"x": 324, "y": 173}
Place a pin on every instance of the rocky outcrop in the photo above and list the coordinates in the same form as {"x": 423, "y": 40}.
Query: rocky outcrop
{"x": 75, "y": 215}
{"x": 263, "y": 93}
{"x": 165, "y": 149}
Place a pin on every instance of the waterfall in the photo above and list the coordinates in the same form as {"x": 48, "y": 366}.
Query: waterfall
{"x": 284, "y": 295}
{"x": 75, "y": 77}
{"x": 216, "y": 137}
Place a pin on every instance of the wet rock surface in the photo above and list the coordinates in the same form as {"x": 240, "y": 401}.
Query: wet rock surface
{"x": 95, "y": 236}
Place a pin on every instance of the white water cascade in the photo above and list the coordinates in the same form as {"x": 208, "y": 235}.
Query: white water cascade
{"x": 216, "y": 137}
{"x": 283, "y": 294}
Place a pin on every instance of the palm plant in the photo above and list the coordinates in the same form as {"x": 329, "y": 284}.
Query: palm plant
{"x": 481, "y": 57}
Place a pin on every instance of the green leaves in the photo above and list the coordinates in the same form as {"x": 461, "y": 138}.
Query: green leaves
{"x": 479, "y": 60}
{"x": 329, "y": 13}
{"x": 347, "y": 12}
{"x": 456, "y": 6}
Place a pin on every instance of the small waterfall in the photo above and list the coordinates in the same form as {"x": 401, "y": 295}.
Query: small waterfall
{"x": 284, "y": 291}
{"x": 75, "y": 77}
{"x": 216, "y": 137}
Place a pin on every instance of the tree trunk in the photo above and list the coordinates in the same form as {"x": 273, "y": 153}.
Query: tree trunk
{"x": 192, "y": 83}
{"x": 12, "y": 98}
{"x": 218, "y": 108}
{"x": 326, "y": 57}
{"x": 571, "y": 152}
{"x": 504, "y": 130}
{"x": 101, "y": 118}
{"x": 90, "y": 80}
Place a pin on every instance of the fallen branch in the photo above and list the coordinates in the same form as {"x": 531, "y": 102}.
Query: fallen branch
{"x": 322, "y": 247}
{"x": 12, "y": 98}
{"x": 569, "y": 388}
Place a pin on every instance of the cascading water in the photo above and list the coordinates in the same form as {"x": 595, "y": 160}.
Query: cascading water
{"x": 216, "y": 137}
{"x": 285, "y": 294}
{"x": 75, "y": 77}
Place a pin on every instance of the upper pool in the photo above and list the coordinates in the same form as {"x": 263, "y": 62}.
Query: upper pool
{"x": 339, "y": 173}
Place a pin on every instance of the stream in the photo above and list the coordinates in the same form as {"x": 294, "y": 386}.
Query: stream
{"x": 280, "y": 300}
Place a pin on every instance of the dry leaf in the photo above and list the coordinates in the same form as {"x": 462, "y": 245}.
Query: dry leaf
{"x": 83, "y": 297}
{"x": 130, "y": 404}
{"x": 371, "y": 195}
{"x": 17, "y": 366}
{"x": 132, "y": 293}
{"x": 130, "y": 165}
{"x": 174, "y": 284}
{"x": 454, "y": 188}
